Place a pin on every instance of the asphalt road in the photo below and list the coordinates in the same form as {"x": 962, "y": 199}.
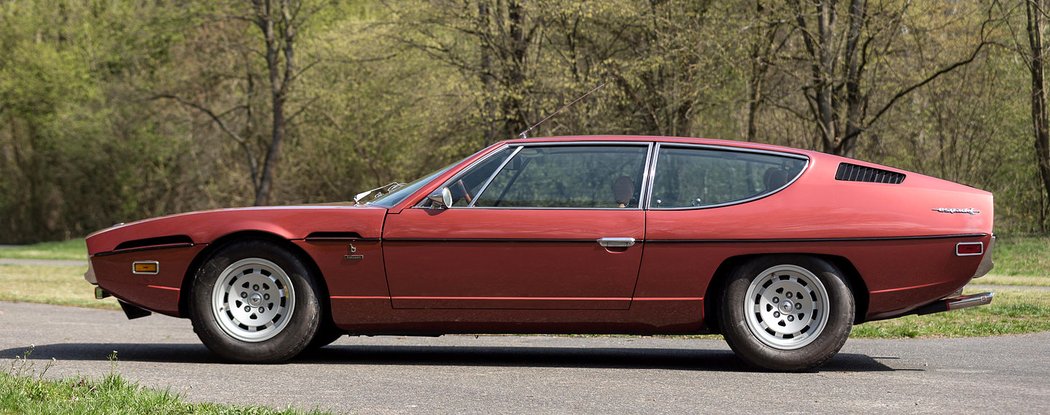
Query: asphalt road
{"x": 544, "y": 374}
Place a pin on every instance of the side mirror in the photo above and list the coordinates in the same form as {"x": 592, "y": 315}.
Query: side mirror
{"x": 441, "y": 199}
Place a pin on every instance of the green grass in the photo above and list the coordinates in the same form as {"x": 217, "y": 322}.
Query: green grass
{"x": 71, "y": 249}
{"x": 1022, "y": 256}
{"x": 1013, "y": 280}
{"x": 25, "y": 391}
{"x": 60, "y": 285}
{"x": 1013, "y": 311}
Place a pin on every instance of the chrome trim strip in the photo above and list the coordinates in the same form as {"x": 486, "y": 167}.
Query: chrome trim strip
{"x": 585, "y": 143}
{"x": 616, "y": 242}
{"x": 738, "y": 150}
{"x": 157, "y": 264}
{"x": 624, "y": 209}
{"x": 782, "y": 240}
{"x": 488, "y": 181}
{"x": 968, "y": 244}
{"x": 493, "y": 240}
{"x": 647, "y": 176}
{"x": 651, "y": 176}
{"x": 844, "y": 239}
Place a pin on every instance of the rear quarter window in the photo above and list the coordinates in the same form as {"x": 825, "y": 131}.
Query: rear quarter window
{"x": 689, "y": 177}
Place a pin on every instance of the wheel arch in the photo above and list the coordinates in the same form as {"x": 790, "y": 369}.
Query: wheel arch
{"x": 251, "y": 235}
{"x": 717, "y": 284}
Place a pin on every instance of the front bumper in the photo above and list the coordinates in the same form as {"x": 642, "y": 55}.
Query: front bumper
{"x": 90, "y": 274}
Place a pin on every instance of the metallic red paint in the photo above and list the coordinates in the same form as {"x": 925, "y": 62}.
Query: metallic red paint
{"x": 423, "y": 271}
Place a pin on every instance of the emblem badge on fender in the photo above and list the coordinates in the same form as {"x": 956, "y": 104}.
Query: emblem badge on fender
{"x": 967, "y": 211}
{"x": 352, "y": 255}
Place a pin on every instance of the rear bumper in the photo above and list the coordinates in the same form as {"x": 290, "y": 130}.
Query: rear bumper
{"x": 986, "y": 262}
{"x": 955, "y": 303}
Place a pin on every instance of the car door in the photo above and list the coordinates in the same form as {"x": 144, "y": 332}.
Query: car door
{"x": 534, "y": 226}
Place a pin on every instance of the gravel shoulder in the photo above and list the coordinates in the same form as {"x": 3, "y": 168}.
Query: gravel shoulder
{"x": 515, "y": 374}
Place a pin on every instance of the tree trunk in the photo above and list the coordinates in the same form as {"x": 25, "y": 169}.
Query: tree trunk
{"x": 279, "y": 38}
{"x": 761, "y": 50}
{"x": 1039, "y": 114}
{"x": 488, "y": 106}
{"x": 514, "y": 112}
{"x": 854, "y": 71}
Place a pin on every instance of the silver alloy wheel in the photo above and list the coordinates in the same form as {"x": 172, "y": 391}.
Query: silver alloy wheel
{"x": 786, "y": 307}
{"x": 253, "y": 300}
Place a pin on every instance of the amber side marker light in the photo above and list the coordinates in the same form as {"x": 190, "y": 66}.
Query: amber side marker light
{"x": 145, "y": 267}
{"x": 969, "y": 248}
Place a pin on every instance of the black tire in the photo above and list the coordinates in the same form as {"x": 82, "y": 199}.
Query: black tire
{"x": 295, "y": 331}
{"x": 327, "y": 334}
{"x": 767, "y": 350}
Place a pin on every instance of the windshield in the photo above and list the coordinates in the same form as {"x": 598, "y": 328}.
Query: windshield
{"x": 390, "y": 199}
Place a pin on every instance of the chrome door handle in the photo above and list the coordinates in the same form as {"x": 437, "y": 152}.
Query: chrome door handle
{"x": 616, "y": 242}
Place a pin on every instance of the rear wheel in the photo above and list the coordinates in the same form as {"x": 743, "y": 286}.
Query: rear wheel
{"x": 786, "y": 312}
{"x": 255, "y": 302}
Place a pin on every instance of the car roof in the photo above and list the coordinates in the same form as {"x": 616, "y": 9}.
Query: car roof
{"x": 661, "y": 139}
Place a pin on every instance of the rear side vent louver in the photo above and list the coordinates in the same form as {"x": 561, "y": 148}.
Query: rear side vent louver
{"x": 854, "y": 173}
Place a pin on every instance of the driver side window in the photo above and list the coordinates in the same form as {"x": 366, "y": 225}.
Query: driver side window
{"x": 569, "y": 176}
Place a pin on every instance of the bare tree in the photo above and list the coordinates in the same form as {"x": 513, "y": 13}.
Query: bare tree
{"x": 839, "y": 91}
{"x": 278, "y": 23}
{"x": 764, "y": 46}
{"x": 492, "y": 44}
{"x": 1034, "y": 11}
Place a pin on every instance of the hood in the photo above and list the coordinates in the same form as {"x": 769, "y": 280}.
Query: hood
{"x": 203, "y": 227}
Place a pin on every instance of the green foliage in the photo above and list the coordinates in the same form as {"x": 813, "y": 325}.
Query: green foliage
{"x": 388, "y": 91}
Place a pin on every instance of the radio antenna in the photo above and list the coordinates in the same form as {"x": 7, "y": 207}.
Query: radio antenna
{"x": 525, "y": 134}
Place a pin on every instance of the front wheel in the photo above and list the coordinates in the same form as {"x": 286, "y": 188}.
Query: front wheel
{"x": 255, "y": 302}
{"x": 786, "y": 312}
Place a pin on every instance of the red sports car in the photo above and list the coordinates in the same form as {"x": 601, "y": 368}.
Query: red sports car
{"x": 780, "y": 250}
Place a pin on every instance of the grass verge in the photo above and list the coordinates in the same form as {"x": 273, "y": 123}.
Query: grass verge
{"x": 71, "y": 249}
{"x": 24, "y": 391}
{"x": 1013, "y": 280}
{"x": 1022, "y": 255}
{"x": 1011, "y": 312}
{"x": 59, "y": 285}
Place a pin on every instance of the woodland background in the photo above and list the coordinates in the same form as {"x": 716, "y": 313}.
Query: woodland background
{"x": 115, "y": 110}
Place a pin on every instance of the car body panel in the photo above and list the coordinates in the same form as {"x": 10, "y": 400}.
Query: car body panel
{"x": 161, "y": 293}
{"x": 512, "y": 258}
{"x": 414, "y": 270}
